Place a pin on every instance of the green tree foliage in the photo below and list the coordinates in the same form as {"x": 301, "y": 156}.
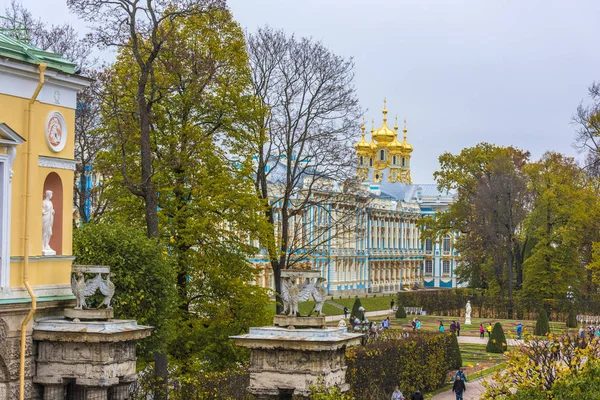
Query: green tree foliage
{"x": 355, "y": 313}
{"x": 140, "y": 270}
{"x": 480, "y": 214}
{"x": 208, "y": 211}
{"x": 400, "y": 312}
{"x": 561, "y": 225}
{"x": 497, "y": 340}
{"x": 542, "y": 326}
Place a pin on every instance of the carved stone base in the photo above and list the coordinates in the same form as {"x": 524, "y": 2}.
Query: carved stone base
{"x": 286, "y": 321}
{"x": 94, "y": 314}
{"x": 468, "y": 321}
{"x": 93, "y": 356}
{"x": 49, "y": 252}
{"x": 286, "y": 362}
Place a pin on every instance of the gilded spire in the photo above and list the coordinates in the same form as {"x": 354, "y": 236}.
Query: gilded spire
{"x": 396, "y": 124}
{"x": 405, "y": 130}
{"x": 384, "y": 111}
{"x": 363, "y": 127}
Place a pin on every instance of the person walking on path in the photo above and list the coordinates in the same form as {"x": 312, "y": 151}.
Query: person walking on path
{"x": 418, "y": 324}
{"x": 397, "y": 395}
{"x": 489, "y": 329}
{"x": 457, "y": 328}
{"x": 519, "y": 330}
{"x": 392, "y": 305}
{"x": 414, "y": 323}
{"x": 453, "y": 327}
{"x": 459, "y": 387}
{"x": 418, "y": 395}
{"x": 481, "y": 331}
{"x": 442, "y": 329}
{"x": 345, "y": 312}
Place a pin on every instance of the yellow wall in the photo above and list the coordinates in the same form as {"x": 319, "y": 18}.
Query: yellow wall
{"x": 43, "y": 270}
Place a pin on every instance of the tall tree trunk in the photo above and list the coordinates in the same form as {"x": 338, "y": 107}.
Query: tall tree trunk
{"x": 510, "y": 284}
{"x": 150, "y": 198}
{"x": 151, "y": 214}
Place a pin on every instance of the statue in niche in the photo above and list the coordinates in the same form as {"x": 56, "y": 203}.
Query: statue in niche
{"x": 47, "y": 223}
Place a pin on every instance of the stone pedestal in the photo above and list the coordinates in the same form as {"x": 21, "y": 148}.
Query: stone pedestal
{"x": 285, "y": 321}
{"x": 286, "y": 362}
{"x": 468, "y": 320}
{"x": 94, "y": 359}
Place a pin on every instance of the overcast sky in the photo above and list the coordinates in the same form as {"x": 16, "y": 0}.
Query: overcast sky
{"x": 461, "y": 72}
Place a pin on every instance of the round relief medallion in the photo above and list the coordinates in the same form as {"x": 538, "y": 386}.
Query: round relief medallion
{"x": 56, "y": 131}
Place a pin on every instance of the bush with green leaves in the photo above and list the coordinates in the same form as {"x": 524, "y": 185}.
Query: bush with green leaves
{"x": 355, "y": 313}
{"x": 144, "y": 280}
{"x": 418, "y": 360}
{"x": 542, "y": 326}
{"x": 497, "y": 340}
{"x": 400, "y": 312}
{"x": 453, "y": 355}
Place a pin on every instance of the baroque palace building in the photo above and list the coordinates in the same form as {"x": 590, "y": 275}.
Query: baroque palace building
{"x": 383, "y": 252}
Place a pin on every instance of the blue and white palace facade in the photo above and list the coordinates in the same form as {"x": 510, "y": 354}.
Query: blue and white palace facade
{"x": 383, "y": 250}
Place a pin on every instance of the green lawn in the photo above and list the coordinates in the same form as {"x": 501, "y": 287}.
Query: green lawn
{"x": 369, "y": 303}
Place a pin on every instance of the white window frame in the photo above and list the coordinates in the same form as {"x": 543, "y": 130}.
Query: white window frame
{"x": 5, "y": 191}
{"x": 428, "y": 265}
{"x": 430, "y": 242}
{"x": 446, "y": 244}
{"x": 445, "y": 267}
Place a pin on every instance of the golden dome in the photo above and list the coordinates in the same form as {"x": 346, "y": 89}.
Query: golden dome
{"x": 372, "y": 144}
{"x": 395, "y": 146}
{"x": 384, "y": 134}
{"x": 363, "y": 146}
{"x": 407, "y": 147}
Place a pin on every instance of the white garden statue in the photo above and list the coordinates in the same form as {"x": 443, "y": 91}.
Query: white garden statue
{"x": 468, "y": 313}
{"x": 47, "y": 223}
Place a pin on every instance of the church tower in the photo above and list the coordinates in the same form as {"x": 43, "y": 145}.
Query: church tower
{"x": 384, "y": 157}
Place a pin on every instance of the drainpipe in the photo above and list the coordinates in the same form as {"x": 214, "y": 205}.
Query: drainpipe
{"x": 42, "y": 68}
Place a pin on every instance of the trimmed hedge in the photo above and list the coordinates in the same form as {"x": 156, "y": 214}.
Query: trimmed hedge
{"x": 355, "y": 307}
{"x": 542, "y": 327}
{"x": 497, "y": 341}
{"x": 400, "y": 312}
{"x": 451, "y": 302}
{"x": 409, "y": 360}
{"x": 571, "y": 319}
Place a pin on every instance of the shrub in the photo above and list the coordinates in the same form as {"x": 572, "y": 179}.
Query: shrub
{"x": 572, "y": 319}
{"x": 453, "y": 355}
{"x": 355, "y": 307}
{"x": 497, "y": 341}
{"x": 144, "y": 280}
{"x": 417, "y": 360}
{"x": 400, "y": 312}
{"x": 542, "y": 327}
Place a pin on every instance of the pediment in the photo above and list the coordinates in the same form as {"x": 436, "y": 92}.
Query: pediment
{"x": 8, "y": 137}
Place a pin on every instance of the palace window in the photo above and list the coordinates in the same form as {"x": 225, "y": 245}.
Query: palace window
{"x": 394, "y": 160}
{"x": 403, "y": 161}
{"x": 446, "y": 244}
{"x": 361, "y": 160}
{"x": 445, "y": 267}
{"x": 428, "y": 245}
{"x": 428, "y": 267}
{"x": 370, "y": 161}
{"x": 382, "y": 155}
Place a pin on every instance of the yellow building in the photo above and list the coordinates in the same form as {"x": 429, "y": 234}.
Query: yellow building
{"x": 38, "y": 99}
